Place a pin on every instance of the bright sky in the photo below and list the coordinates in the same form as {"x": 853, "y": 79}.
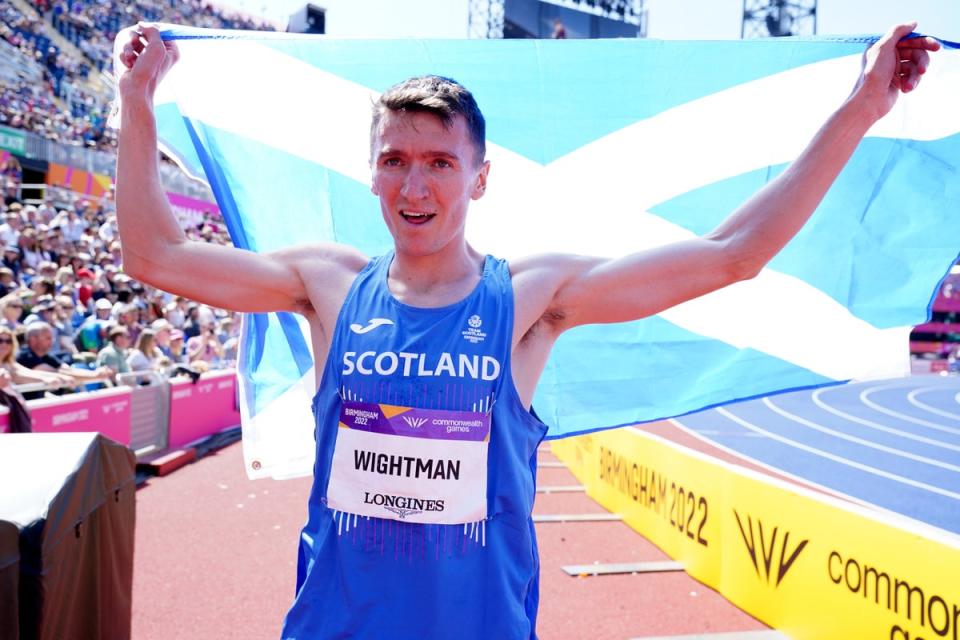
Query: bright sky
{"x": 669, "y": 19}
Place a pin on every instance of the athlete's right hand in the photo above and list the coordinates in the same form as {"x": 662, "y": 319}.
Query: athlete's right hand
{"x": 141, "y": 59}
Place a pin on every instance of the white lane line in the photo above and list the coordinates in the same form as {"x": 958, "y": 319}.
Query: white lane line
{"x": 572, "y": 488}
{"x": 578, "y": 517}
{"x": 912, "y": 399}
{"x": 838, "y": 459}
{"x": 894, "y": 517}
{"x": 616, "y": 568}
{"x": 866, "y": 443}
{"x": 801, "y": 480}
{"x": 865, "y": 399}
{"x": 879, "y": 427}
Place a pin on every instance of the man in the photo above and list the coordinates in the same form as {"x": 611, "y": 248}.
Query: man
{"x": 443, "y": 476}
{"x": 114, "y": 355}
{"x": 10, "y": 230}
{"x": 35, "y": 354}
{"x": 162, "y": 330}
{"x": 127, "y": 315}
{"x": 91, "y": 333}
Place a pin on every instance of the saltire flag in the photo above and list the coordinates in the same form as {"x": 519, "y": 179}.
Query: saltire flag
{"x": 598, "y": 147}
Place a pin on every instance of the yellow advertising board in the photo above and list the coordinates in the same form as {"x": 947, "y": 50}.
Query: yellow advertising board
{"x": 811, "y": 565}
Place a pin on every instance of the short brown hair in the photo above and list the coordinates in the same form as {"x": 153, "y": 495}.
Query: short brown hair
{"x": 443, "y": 97}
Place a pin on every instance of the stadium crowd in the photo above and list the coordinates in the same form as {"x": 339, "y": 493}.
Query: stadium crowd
{"x": 66, "y": 107}
{"x": 69, "y": 317}
{"x": 65, "y": 301}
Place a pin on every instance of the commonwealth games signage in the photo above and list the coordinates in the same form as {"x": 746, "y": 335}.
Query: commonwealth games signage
{"x": 806, "y": 563}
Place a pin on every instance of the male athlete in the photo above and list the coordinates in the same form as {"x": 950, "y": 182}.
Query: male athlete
{"x": 426, "y": 358}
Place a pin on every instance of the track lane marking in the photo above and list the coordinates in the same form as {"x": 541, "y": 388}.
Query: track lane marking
{"x": 865, "y": 399}
{"x": 879, "y": 427}
{"x": 894, "y": 518}
{"x": 866, "y": 443}
{"x": 839, "y": 459}
{"x": 800, "y": 480}
{"x": 912, "y": 399}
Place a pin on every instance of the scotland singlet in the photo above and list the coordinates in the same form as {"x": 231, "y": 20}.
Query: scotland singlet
{"x": 419, "y": 517}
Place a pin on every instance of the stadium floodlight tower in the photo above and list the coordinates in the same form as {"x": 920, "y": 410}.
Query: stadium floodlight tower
{"x": 536, "y": 18}
{"x": 486, "y": 19}
{"x": 763, "y": 18}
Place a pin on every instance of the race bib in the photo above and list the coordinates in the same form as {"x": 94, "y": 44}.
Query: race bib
{"x": 415, "y": 465}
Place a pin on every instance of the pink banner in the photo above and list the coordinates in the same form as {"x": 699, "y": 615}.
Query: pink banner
{"x": 106, "y": 412}
{"x": 190, "y": 211}
{"x": 202, "y": 409}
{"x": 4, "y": 421}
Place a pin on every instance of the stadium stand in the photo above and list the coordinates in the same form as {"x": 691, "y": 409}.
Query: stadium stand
{"x": 61, "y": 260}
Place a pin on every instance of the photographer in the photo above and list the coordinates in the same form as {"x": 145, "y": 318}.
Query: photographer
{"x": 205, "y": 346}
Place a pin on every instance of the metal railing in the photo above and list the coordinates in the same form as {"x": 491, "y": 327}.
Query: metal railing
{"x": 37, "y": 147}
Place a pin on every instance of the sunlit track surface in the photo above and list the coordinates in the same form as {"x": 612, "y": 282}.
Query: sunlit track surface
{"x": 893, "y": 443}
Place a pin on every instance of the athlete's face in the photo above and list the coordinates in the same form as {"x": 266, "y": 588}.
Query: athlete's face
{"x": 425, "y": 175}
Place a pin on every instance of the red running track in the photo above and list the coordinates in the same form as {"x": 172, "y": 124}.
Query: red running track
{"x": 216, "y": 558}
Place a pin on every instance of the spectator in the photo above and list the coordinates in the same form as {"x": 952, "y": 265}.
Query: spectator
{"x": 65, "y": 314}
{"x": 12, "y": 259}
{"x": 177, "y": 352}
{"x": 20, "y": 374}
{"x": 66, "y": 282}
{"x": 36, "y": 355}
{"x": 229, "y": 336}
{"x": 12, "y": 170}
{"x": 11, "y": 193}
{"x": 7, "y": 281}
{"x": 10, "y": 229}
{"x": 127, "y": 315}
{"x": 43, "y": 286}
{"x": 85, "y": 279}
{"x": 146, "y": 355}
{"x": 176, "y": 312}
{"x": 108, "y": 230}
{"x": 559, "y": 31}
{"x": 92, "y": 332}
{"x": 71, "y": 224}
{"x": 205, "y": 346}
{"x": 41, "y": 305}
{"x": 33, "y": 254}
{"x": 162, "y": 331}
{"x": 114, "y": 355}
{"x": 193, "y": 324}
{"x": 11, "y": 308}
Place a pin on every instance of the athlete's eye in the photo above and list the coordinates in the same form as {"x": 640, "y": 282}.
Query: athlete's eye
{"x": 391, "y": 162}
{"x": 440, "y": 163}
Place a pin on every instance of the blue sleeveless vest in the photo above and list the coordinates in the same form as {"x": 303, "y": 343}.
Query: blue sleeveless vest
{"x": 364, "y": 576}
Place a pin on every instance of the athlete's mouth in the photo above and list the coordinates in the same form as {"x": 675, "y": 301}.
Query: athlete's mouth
{"x": 416, "y": 217}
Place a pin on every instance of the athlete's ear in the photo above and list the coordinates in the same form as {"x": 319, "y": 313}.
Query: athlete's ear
{"x": 481, "y": 185}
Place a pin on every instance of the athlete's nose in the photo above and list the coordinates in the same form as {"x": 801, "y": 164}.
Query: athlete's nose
{"x": 415, "y": 185}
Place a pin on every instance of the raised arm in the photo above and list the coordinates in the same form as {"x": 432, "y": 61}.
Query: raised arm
{"x": 155, "y": 249}
{"x": 565, "y": 291}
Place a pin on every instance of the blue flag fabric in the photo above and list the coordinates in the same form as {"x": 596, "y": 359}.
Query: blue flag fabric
{"x": 598, "y": 147}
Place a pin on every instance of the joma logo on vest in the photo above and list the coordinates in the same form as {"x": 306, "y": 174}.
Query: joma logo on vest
{"x": 768, "y": 548}
{"x": 420, "y": 364}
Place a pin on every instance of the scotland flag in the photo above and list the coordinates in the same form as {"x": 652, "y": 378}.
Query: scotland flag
{"x": 600, "y": 147}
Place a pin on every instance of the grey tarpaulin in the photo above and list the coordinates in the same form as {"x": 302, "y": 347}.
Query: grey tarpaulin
{"x": 71, "y": 498}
